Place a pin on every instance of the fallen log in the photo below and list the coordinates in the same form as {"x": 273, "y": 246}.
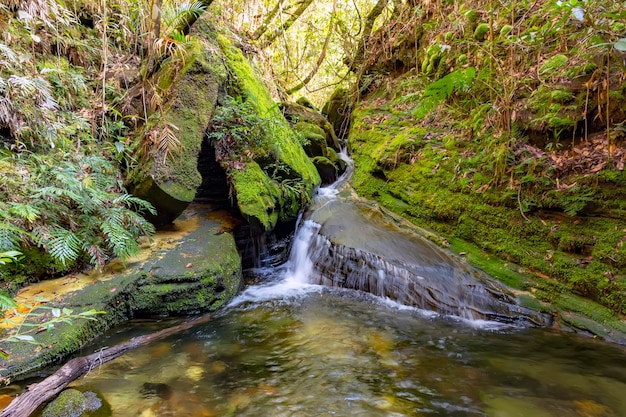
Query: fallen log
{"x": 25, "y": 404}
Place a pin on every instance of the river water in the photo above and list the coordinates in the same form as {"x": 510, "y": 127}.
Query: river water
{"x": 301, "y": 341}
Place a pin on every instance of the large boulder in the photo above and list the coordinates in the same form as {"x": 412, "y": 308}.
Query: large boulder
{"x": 192, "y": 267}
{"x": 272, "y": 184}
{"x": 169, "y": 179}
{"x": 320, "y": 141}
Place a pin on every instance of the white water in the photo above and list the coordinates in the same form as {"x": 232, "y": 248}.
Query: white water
{"x": 393, "y": 286}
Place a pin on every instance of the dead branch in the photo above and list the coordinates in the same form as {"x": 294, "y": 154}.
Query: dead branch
{"x": 25, "y": 404}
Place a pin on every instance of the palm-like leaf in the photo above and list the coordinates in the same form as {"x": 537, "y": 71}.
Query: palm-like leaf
{"x": 64, "y": 245}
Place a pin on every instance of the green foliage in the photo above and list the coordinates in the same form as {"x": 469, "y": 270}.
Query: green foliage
{"x": 238, "y": 133}
{"x": 552, "y": 66}
{"x": 73, "y": 208}
{"x": 24, "y": 321}
{"x": 437, "y": 92}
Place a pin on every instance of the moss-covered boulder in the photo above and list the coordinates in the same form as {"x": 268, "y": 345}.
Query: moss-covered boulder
{"x": 170, "y": 178}
{"x": 193, "y": 266}
{"x": 337, "y": 110}
{"x": 274, "y": 177}
{"x": 296, "y": 113}
{"x": 320, "y": 141}
{"x": 74, "y": 403}
{"x": 327, "y": 169}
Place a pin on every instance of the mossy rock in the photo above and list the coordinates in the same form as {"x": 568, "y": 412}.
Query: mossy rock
{"x": 201, "y": 274}
{"x": 327, "y": 169}
{"x": 337, "y": 110}
{"x": 259, "y": 194}
{"x": 74, "y": 403}
{"x": 314, "y": 143}
{"x": 295, "y": 113}
{"x": 170, "y": 180}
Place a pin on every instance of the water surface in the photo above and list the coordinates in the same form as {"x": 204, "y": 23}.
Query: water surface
{"x": 286, "y": 350}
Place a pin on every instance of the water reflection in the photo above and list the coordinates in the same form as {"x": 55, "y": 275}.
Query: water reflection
{"x": 329, "y": 352}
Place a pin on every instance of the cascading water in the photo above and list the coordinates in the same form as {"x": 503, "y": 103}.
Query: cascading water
{"x": 348, "y": 243}
{"x": 289, "y": 347}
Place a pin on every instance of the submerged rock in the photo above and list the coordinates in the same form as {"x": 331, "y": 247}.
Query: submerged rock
{"x": 74, "y": 403}
{"x": 193, "y": 270}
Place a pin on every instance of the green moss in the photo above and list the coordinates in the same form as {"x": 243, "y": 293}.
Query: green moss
{"x": 259, "y": 196}
{"x": 561, "y": 96}
{"x": 505, "y": 30}
{"x": 482, "y": 30}
{"x": 70, "y": 403}
{"x": 552, "y": 67}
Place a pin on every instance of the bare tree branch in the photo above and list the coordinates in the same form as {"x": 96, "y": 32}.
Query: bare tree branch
{"x": 25, "y": 404}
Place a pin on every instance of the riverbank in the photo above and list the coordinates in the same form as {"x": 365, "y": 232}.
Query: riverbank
{"x": 190, "y": 267}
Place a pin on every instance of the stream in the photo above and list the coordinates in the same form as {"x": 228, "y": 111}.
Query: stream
{"x": 367, "y": 318}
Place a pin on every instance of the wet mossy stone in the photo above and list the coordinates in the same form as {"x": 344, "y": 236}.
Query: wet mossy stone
{"x": 314, "y": 137}
{"x": 328, "y": 171}
{"x": 295, "y": 113}
{"x": 202, "y": 273}
{"x": 170, "y": 181}
{"x": 73, "y": 403}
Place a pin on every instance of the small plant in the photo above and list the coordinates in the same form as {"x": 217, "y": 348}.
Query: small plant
{"x": 438, "y": 91}
{"x": 24, "y": 321}
{"x": 238, "y": 134}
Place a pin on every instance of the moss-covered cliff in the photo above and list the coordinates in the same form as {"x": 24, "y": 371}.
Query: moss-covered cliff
{"x": 501, "y": 128}
{"x": 270, "y": 174}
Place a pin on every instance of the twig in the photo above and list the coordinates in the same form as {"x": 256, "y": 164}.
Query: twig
{"x": 24, "y": 405}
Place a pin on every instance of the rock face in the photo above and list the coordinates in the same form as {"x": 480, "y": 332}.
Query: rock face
{"x": 320, "y": 141}
{"x": 193, "y": 267}
{"x": 169, "y": 180}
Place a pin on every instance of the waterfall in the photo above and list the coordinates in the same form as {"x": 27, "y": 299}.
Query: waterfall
{"x": 346, "y": 243}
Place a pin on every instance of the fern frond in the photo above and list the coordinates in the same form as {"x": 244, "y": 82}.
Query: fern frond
{"x": 10, "y": 236}
{"x": 119, "y": 239}
{"x": 52, "y": 192}
{"x": 168, "y": 142}
{"x": 131, "y": 201}
{"x": 174, "y": 14}
{"x": 64, "y": 245}
{"x": 25, "y": 211}
{"x": 8, "y": 54}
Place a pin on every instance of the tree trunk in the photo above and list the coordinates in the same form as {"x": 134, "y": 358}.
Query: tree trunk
{"x": 321, "y": 57}
{"x": 269, "y": 39}
{"x": 359, "y": 56}
{"x": 25, "y": 404}
{"x": 268, "y": 19}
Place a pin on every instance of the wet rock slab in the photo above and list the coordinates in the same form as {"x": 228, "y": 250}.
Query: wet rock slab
{"x": 192, "y": 267}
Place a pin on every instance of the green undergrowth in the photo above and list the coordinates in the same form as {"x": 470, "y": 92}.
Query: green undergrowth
{"x": 270, "y": 174}
{"x": 494, "y": 201}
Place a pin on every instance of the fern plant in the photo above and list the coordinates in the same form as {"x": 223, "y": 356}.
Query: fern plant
{"x": 73, "y": 208}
